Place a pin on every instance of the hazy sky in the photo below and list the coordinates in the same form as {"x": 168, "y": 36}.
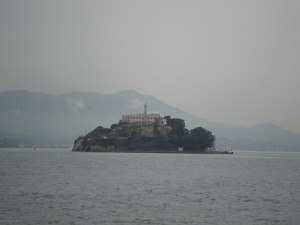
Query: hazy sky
{"x": 229, "y": 61}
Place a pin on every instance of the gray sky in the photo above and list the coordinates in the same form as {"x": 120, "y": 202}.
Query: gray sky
{"x": 229, "y": 61}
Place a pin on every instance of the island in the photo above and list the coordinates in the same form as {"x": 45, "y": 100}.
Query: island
{"x": 147, "y": 133}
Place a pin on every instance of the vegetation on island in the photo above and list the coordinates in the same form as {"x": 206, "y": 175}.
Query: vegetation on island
{"x": 147, "y": 137}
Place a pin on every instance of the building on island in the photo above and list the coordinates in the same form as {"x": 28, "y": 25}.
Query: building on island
{"x": 143, "y": 119}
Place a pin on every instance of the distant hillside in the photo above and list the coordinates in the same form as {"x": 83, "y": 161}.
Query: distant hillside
{"x": 44, "y": 119}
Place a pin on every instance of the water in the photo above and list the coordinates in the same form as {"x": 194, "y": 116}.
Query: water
{"x": 55, "y": 186}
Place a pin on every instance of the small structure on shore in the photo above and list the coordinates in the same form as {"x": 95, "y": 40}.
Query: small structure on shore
{"x": 180, "y": 149}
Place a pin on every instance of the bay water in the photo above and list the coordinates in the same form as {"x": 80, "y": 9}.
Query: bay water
{"x": 57, "y": 186}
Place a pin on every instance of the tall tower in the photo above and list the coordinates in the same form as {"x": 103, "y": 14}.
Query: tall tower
{"x": 145, "y": 109}
{"x": 145, "y": 113}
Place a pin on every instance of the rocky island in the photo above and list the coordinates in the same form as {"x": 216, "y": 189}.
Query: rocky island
{"x": 146, "y": 133}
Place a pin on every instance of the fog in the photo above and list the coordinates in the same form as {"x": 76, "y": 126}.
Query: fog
{"x": 234, "y": 62}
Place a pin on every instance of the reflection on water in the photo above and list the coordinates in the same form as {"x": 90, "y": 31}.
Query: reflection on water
{"x": 57, "y": 186}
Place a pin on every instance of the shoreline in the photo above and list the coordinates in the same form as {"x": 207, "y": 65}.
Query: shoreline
{"x": 163, "y": 152}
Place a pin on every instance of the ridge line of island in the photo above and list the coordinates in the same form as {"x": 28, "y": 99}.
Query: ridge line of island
{"x": 148, "y": 133}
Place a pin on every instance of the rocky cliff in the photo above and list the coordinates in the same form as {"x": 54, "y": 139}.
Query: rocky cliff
{"x": 125, "y": 137}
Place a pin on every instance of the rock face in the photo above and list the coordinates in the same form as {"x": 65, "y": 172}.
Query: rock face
{"x": 125, "y": 137}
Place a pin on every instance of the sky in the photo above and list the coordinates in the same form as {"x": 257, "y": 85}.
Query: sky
{"x": 233, "y": 61}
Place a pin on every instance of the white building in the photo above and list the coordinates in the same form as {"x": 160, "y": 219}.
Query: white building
{"x": 153, "y": 118}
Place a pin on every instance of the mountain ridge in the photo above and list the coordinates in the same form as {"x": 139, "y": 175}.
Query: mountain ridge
{"x": 62, "y": 118}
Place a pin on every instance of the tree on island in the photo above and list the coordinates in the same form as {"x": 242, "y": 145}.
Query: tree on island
{"x": 198, "y": 139}
{"x": 177, "y": 127}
